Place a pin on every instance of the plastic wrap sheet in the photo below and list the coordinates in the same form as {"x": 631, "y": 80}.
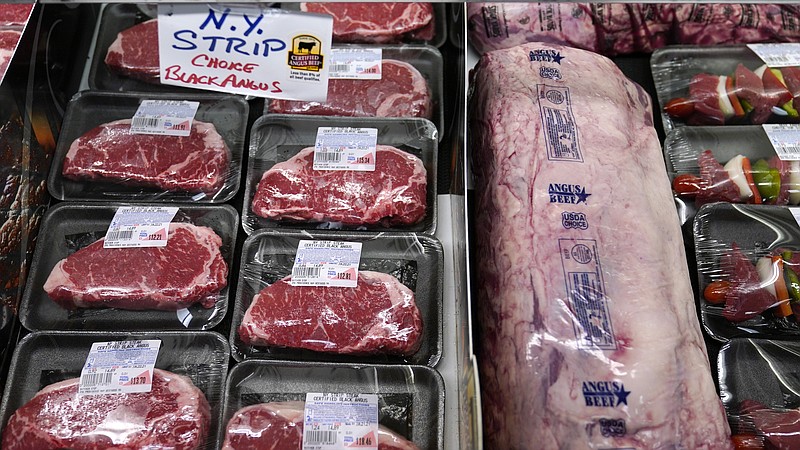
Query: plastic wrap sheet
{"x": 382, "y": 23}
{"x": 98, "y": 158}
{"x": 410, "y": 401}
{"x": 588, "y": 332}
{"x": 77, "y": 284}
{"x": 41, "y": 408}
{"x": 283, "y": 189}
{"x": 760, "y": 388}
{"x": 728, "y": 164}
{"x": 723, "y": 86}
{"x": 748, "y": 263}
{"x": 393, "y": 315}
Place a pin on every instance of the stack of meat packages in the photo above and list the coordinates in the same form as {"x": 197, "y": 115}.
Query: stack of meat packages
{"x": 617, "y": 29}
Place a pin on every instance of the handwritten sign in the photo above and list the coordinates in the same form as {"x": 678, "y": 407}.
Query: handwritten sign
{"x": 248, "y": 50}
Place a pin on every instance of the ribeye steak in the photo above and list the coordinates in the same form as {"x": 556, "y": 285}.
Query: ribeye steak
{"x": 382, "y": 23}
{"x": 589, "y": 335}
{"x": 110, "y": 152}
{"x": 135, "y": 52}
{"x": 377, "y": 316}
{"x": 401, "y": 92}
{"x": 190, "y": 269}
{"x": 395, "y": 193}
{"x": 174, "y": 415}
{"x": 279, "y": 426}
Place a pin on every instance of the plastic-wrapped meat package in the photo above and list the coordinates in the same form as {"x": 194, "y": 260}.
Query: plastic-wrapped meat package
{"x": 174, "y": 414}
{"x": 312, "y": 317}
{"x": 14, "y": 14}
{"x": 8, "y": 43}
{"x": 588, "y": 331}
{"x": 261, "y": 425}
{"x": 134, "y": 53}
{"x": 394, "y": 193}
{"x": 188, "y": 270}
{"x": 380, "y": 23}
{"x": 719, "y": 24}
{"x": 402, "y": 91}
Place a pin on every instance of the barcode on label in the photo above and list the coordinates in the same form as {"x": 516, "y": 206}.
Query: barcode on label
{"x": 329, "y": 157}
{"x": 339, "y": 68}
{"x": 94, "y": 379}
{"x": 790, "y": 149}
{"x": 321, "y": 437}
{"x": 145, "y": 122}
{"x": 119, "y": 235}
{"x": 306, "y": 272}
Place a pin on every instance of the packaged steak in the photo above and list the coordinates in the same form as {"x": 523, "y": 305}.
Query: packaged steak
{"x": 605, "y": 28}
{"x": 113, "y": 147}
{"x": 723, "y": 86}
{"x": 759, "y": 387}
{"x": 382, "y": 22}
{"x": 735, "y": 23}
{"x": 410, "y": 85}
{"x": 90, "y": 390}
{"x": 735, "y": 164}
{"x": 339, "y": 296}
{"x": 399, "y": 407}
{"x": 345, "y": 173}
{"x": 117, "y": 266}
{"x": 578, "y": 322}
{"x": 748, "y": 261}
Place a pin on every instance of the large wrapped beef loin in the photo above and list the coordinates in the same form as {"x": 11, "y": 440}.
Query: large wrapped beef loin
{"x": 588, "y": 332}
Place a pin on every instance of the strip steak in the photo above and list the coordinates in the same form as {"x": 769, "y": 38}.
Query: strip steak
{"x": 134, "y": 53}
{"x": 380, "y": 23}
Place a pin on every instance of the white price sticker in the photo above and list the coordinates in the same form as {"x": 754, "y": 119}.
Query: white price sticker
{"x": 326, "y": 263}
{"x": 340, "y": 421}
{"x": 356, "y": 63}
{"x": 342, "y": 148}
{"x": 777, "y": 55}
{"x": 119, "y": 367}
{"x": 164, "y": 117}
{"x": 140, "y": 226}
{"x": 785, "y": 139}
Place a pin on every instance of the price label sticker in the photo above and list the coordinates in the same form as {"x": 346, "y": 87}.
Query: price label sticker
{"x": 326, "y": 263}
{"x": 119, "y": 367}
{"x": 340, "y": 421}
{"x": 140, "y": 226}
{"x": 342, "y": 148}
{"x": 777, "y": 55}
{"x": 164, "y": 117}
{"x": 785, "y": 139}
{"x": 356, "y": 63}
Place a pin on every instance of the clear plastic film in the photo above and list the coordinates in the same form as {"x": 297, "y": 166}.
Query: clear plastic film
{"x": 78, "y": 284}
{"x": 382, "y": 22}
{"x": 605, "y": 28}
{"x": 759, "y": 387}
{"x": 283, "y": 189}
{"x": 393, "y": 315}
{"x": 264, "y": 400}
{"x": 584, "y": 301}
{"x": 41, "y": 407}
{"x": 723, "y": 86}
{"x": 735, "y": 23}
{"x": 410, "y": 86}
{"x": 99, "y": 157}
{"x": 735, "y": 164}
{"x": 748, "y": 262}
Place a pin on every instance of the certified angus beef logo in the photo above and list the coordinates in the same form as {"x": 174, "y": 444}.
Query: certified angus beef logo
{"x": 306, "y": 53}
{"x": 607, "y": 394}
{"x": 545, "y": 56}
{"x": 567, "y": 193}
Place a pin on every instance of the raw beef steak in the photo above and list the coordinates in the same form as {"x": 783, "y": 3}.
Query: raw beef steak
{"x": 14, "y": 14}
{"x": 401, "y": 92}
{"x": 377, "y": 316}
{"x": 8, "y": 44}
{"x": 279, "y": 426}
{"x": 589, "y": 335}
{"x": 190, "y": 269}
{"x": 110, "y": 152}
{"x": 395, "y": 193}
{"x": 174, "y": 415}
{"x": 135, "y": 52}
{"x": 382, "y": 23}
